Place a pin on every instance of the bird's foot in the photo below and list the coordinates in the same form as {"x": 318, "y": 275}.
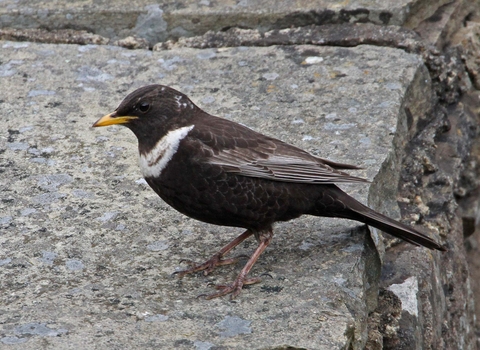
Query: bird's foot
{"x": 264, "y": 237}
{"x": 233, "y": 289}
{"x": 208, "y": 266}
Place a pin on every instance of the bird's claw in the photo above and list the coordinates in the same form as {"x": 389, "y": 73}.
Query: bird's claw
{"x": 208, "y": 266}
{"x": 233, "y": 289}
{"x": 267, "y": 274}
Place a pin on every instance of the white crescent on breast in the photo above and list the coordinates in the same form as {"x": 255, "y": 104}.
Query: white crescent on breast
{"x": 153, "y": 162}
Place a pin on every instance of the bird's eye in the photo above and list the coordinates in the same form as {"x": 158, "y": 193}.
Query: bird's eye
{"x": 143, "y": 107}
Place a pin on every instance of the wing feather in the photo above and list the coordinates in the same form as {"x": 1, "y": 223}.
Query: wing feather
{"x": 280, "y": 168}
{"x": 240, "y": 150}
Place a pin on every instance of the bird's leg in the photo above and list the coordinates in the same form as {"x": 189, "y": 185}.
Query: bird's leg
{"x": 216, "y": 259}
{"x": 264, "y": 238}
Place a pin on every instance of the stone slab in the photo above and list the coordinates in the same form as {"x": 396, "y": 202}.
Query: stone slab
{"x": 168, "y": 19}
{"x": 87, "y": 250}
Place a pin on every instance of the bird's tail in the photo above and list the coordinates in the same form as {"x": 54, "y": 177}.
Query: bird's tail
{"x": 397, "y": 229}
{"x": 352, "y": 209}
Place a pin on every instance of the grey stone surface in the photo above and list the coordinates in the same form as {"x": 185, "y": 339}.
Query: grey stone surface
{"x": 448, "y": 20}
{"x": 88, "y": 250}
{"x": 173, "y": 19}
{"x": 434, "y": 169}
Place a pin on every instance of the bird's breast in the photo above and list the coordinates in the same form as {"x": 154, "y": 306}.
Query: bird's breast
{"x": 154, "y": 161}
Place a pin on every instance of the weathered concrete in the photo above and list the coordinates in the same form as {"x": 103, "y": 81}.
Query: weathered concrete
{"x": 89, "y": 249}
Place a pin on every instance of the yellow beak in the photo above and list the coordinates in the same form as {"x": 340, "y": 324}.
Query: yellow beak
{"x": 111, "y": 119}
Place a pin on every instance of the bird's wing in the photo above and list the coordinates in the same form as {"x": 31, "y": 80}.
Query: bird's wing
{"x": 239, "y": 150}
{"x": 280, "y": 168}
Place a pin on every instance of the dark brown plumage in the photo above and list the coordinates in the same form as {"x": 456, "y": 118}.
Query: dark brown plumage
{"x": 223, "y": 173}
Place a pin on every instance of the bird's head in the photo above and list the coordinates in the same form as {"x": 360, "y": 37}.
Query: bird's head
{"x": 152, "y": 109}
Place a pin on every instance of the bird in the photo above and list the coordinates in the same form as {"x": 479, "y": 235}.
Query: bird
{"x": 223, "y": 173}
